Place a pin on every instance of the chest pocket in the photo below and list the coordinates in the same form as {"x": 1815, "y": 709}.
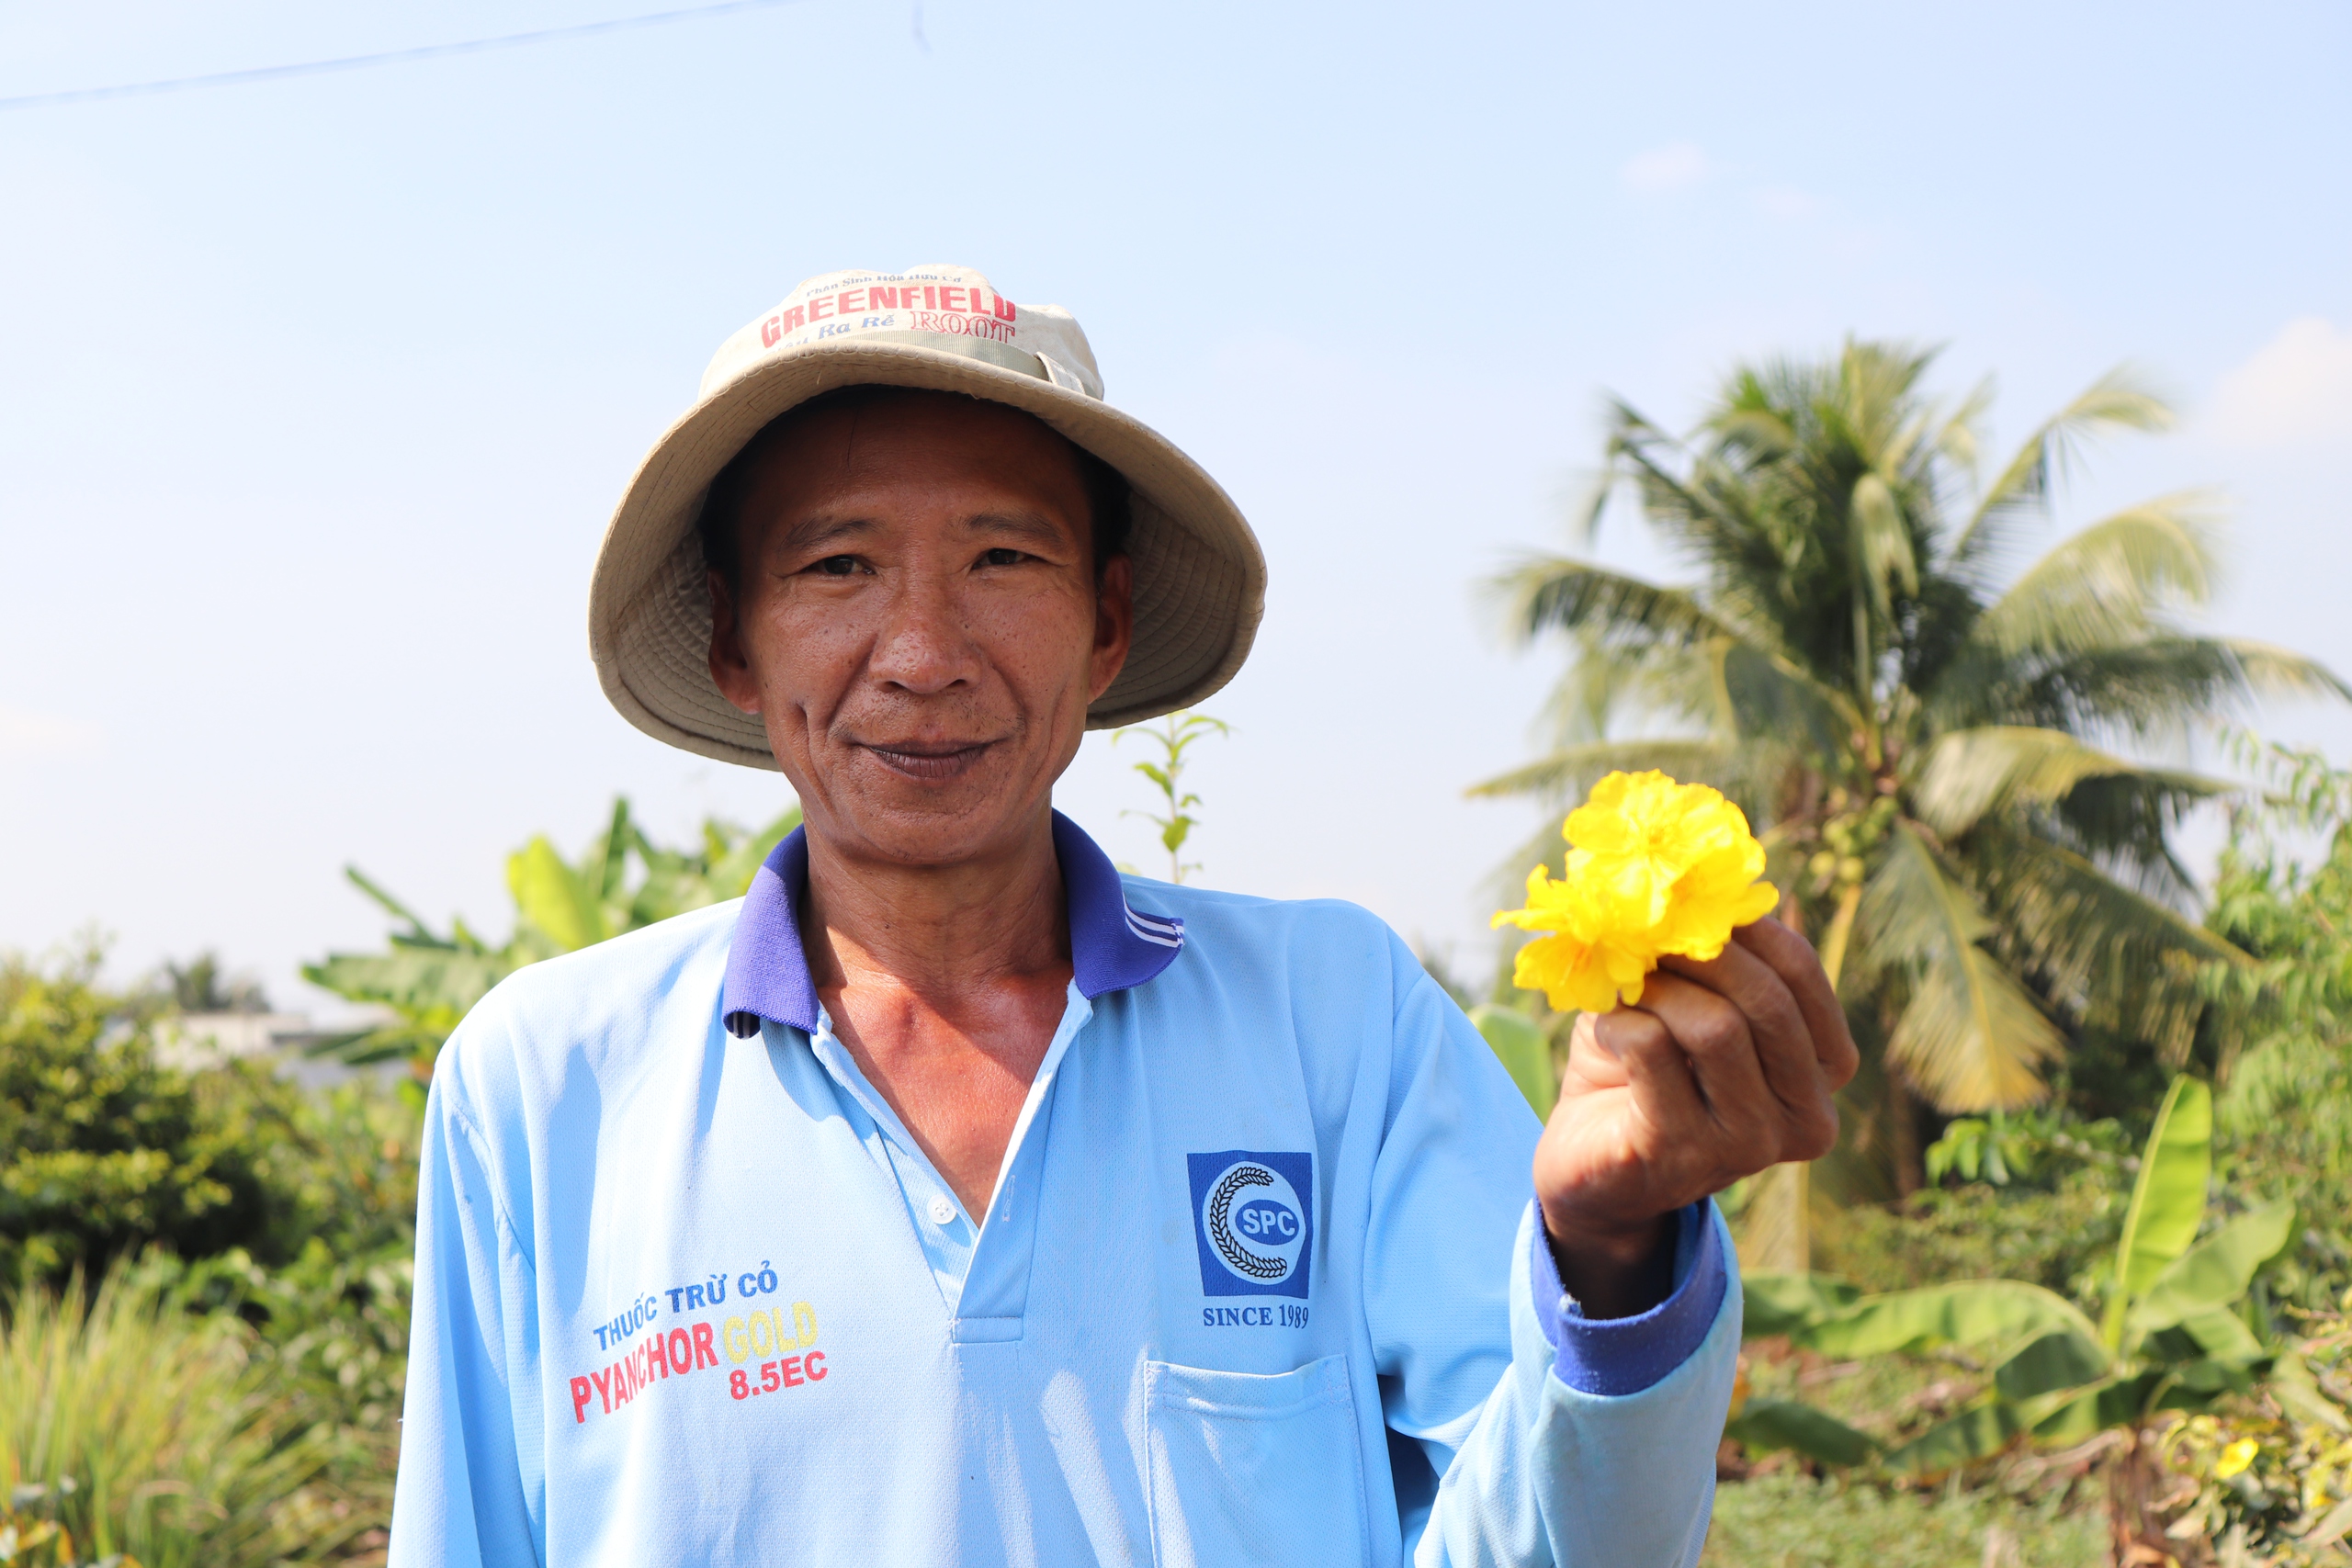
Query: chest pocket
{"x": 1254, "y": 1469}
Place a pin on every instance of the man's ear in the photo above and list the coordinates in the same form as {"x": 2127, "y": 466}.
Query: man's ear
{"x": 731, "y": 668}
{"x": 1114, "y": 623}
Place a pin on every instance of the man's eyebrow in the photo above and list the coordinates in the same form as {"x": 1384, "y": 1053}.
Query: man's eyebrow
{"x": 1029, "y": 525}
{"x": 818, "y": 531}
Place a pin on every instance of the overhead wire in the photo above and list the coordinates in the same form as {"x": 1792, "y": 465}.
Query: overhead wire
{"x": 385, "y": 57}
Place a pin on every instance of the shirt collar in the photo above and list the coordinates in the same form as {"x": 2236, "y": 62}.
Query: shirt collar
{"x": 1112, "y": 945}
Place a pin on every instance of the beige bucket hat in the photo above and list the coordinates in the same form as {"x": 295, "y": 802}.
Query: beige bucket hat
{"x": 1200, "y": 579}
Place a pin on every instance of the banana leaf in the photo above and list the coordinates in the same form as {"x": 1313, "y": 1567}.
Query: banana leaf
{"x": 1773, "y": 1303}
{"x": 1787, "y": 1424}
{"x": 2215, "y": 1272}
{"x": 2169, "y": 1199}
{"x": 1525, "y": 1051}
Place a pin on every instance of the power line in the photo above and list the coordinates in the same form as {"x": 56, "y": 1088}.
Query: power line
{"x": 388, "y": 57}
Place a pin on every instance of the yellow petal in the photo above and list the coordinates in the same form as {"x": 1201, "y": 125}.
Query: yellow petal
{"x": 1654, "y": 867}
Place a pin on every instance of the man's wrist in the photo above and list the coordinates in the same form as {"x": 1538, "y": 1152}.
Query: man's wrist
{"x": 1615, "y": 1271}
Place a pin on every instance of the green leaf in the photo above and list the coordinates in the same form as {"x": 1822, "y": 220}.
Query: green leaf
{"x": 1885, "y": 537}
{"x": 2329, "y": 1528}
{"x": 2169, "y": 1199}
{"x": 1572, "y": 770}
{"x": 2131, "y": 961}
{"x": 418, "y": 931}
{"x": 1545, "y": 592}
{"x": 2215, "y": 1273}
{"x": 2074, "y": 1414}
{"x": 2061, "y": 1359}
{"x": 1775, "y": 1303}
{"x": 1977, "y": 1432}
{"x": 1785, "y": 1423}
{"x": 1970, "y": 1036}
{"x": 411, "y": 980}
{"x": 2117, "y": 400}
{"x": 1525, "y": 1052}
{"x": 2222, "y": 1336}
{"x": 554, "y": 898}
{"x": 2298, "y": 1392}
{"x": 1971, "y": 1312}
{"x": 730, "y": 875}
{"x": 1967, "y": 773}
{"x": 2107, "y": 584}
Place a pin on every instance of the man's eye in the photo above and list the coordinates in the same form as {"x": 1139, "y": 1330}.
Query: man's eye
{"x": 838, "y": 566}
{"x": 1001, "y": 557}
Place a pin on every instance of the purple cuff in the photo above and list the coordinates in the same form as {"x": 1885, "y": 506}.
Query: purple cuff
{"x": 1618, "y": 1356}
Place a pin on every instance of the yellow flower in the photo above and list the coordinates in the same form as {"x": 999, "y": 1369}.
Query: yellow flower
{"x": 1654, "y": 867}
{"x": 2235, "y": 1458}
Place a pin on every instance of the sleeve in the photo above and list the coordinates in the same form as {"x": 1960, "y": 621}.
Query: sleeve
{"x": 1544, "y": 1438}
{"x": 462, "y": 1499}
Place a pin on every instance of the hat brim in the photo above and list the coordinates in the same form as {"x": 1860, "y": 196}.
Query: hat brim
{"x": 1200, "y": 579}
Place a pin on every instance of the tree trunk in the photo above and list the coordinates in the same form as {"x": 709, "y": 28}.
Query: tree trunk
{"x": 1778, "y": 1234}
{"x": 2140, "y": 1490}
{"x": 1902, "y": 1136}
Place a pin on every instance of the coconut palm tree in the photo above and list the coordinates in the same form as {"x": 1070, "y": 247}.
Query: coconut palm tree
{"x": 1942, "y": 752}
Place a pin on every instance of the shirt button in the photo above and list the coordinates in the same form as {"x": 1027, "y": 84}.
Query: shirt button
{"x": 942, "y": 1209}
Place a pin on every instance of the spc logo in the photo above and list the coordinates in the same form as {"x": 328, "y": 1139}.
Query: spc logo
{"x": 1253, "y": 1215}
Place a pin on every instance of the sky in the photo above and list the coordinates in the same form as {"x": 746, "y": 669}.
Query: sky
{"x": 315, "y": 393}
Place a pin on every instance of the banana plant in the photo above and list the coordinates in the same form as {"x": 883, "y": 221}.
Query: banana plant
{"x": 1525, "y": 1051}
{"x": 429, "y": 979}
{"x": 2178, "y": 1330}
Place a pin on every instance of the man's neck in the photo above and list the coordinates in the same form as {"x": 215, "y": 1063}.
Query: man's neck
{"x": 944, "y": 984}
{"x": 947, "y": 934}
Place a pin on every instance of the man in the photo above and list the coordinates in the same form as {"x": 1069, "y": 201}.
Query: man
{"x": 953, "y": 1198}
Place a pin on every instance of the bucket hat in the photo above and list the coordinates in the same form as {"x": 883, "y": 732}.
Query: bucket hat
{"x": 1200, "y": 579}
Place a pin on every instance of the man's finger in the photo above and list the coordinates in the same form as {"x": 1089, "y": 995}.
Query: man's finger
{"x": 1658, "y": 1074}
{"x": 1792, "y": 958}
{"x": 1783, "y": 1038}
{"x": 1713, "y": 1037}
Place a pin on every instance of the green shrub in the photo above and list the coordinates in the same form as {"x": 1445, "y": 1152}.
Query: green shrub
{"x": 335, "y": 1316}
{"x": 143, "y": 1428}
{"x": 2060, "y": 1239}
{"x": 103, "y": 1150}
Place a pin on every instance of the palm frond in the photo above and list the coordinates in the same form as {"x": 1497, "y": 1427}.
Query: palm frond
{"x": 2111, "y": 582}
{"x": 1882, "y": 540}
{"x": 1605, "y": 690}
{"x": 1969, "y": 1038}
{"x": 2273, "y": 672}
{"x": 1959, "y": 438}
{"x": 1554, "y": 592}
{"x": 1706, "y": 504}
{"x": 1966, "y": 773}
{"x": 1572, "y": 770}
{"x": 2149, "y": 688}
{"x": 2125, "y": 962}
{"x": 2123, "y": 823}
{"x": 1771, "y": 701}
{"x": 2121, "y": 400}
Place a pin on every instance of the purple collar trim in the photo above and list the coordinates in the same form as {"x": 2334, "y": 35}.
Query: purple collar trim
{"x": 1113, "y": 947}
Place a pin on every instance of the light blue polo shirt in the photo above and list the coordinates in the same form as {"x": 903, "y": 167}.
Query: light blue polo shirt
{"x": 1260, "y": 1281}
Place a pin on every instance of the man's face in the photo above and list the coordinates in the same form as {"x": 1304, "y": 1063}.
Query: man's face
{"x": 920, "y": 625}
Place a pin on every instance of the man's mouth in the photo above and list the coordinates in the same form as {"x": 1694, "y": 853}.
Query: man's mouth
{"x": 929, "y": 759}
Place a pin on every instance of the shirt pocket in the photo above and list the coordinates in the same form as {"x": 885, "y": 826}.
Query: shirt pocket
{"x": 1252, "y": 1469}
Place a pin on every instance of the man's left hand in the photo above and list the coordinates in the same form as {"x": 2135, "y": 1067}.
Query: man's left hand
{"x": 1722, "y": 1069}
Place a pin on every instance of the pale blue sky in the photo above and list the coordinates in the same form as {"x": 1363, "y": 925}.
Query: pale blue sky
{"x": 317, "y": 392}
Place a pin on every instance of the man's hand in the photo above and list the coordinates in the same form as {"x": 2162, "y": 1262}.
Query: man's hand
{"x": 1724, "y": 1068}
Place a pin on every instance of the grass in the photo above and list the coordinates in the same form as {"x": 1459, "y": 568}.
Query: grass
{"x": 1788, "y": 1520}
{"x": 143, "y": 1429}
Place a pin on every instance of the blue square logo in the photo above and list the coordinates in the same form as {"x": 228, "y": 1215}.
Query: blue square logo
{"x": 1253, "y": 1215}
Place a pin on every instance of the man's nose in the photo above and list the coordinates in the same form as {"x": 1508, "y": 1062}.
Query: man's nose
{"x": 924, "y": 645}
